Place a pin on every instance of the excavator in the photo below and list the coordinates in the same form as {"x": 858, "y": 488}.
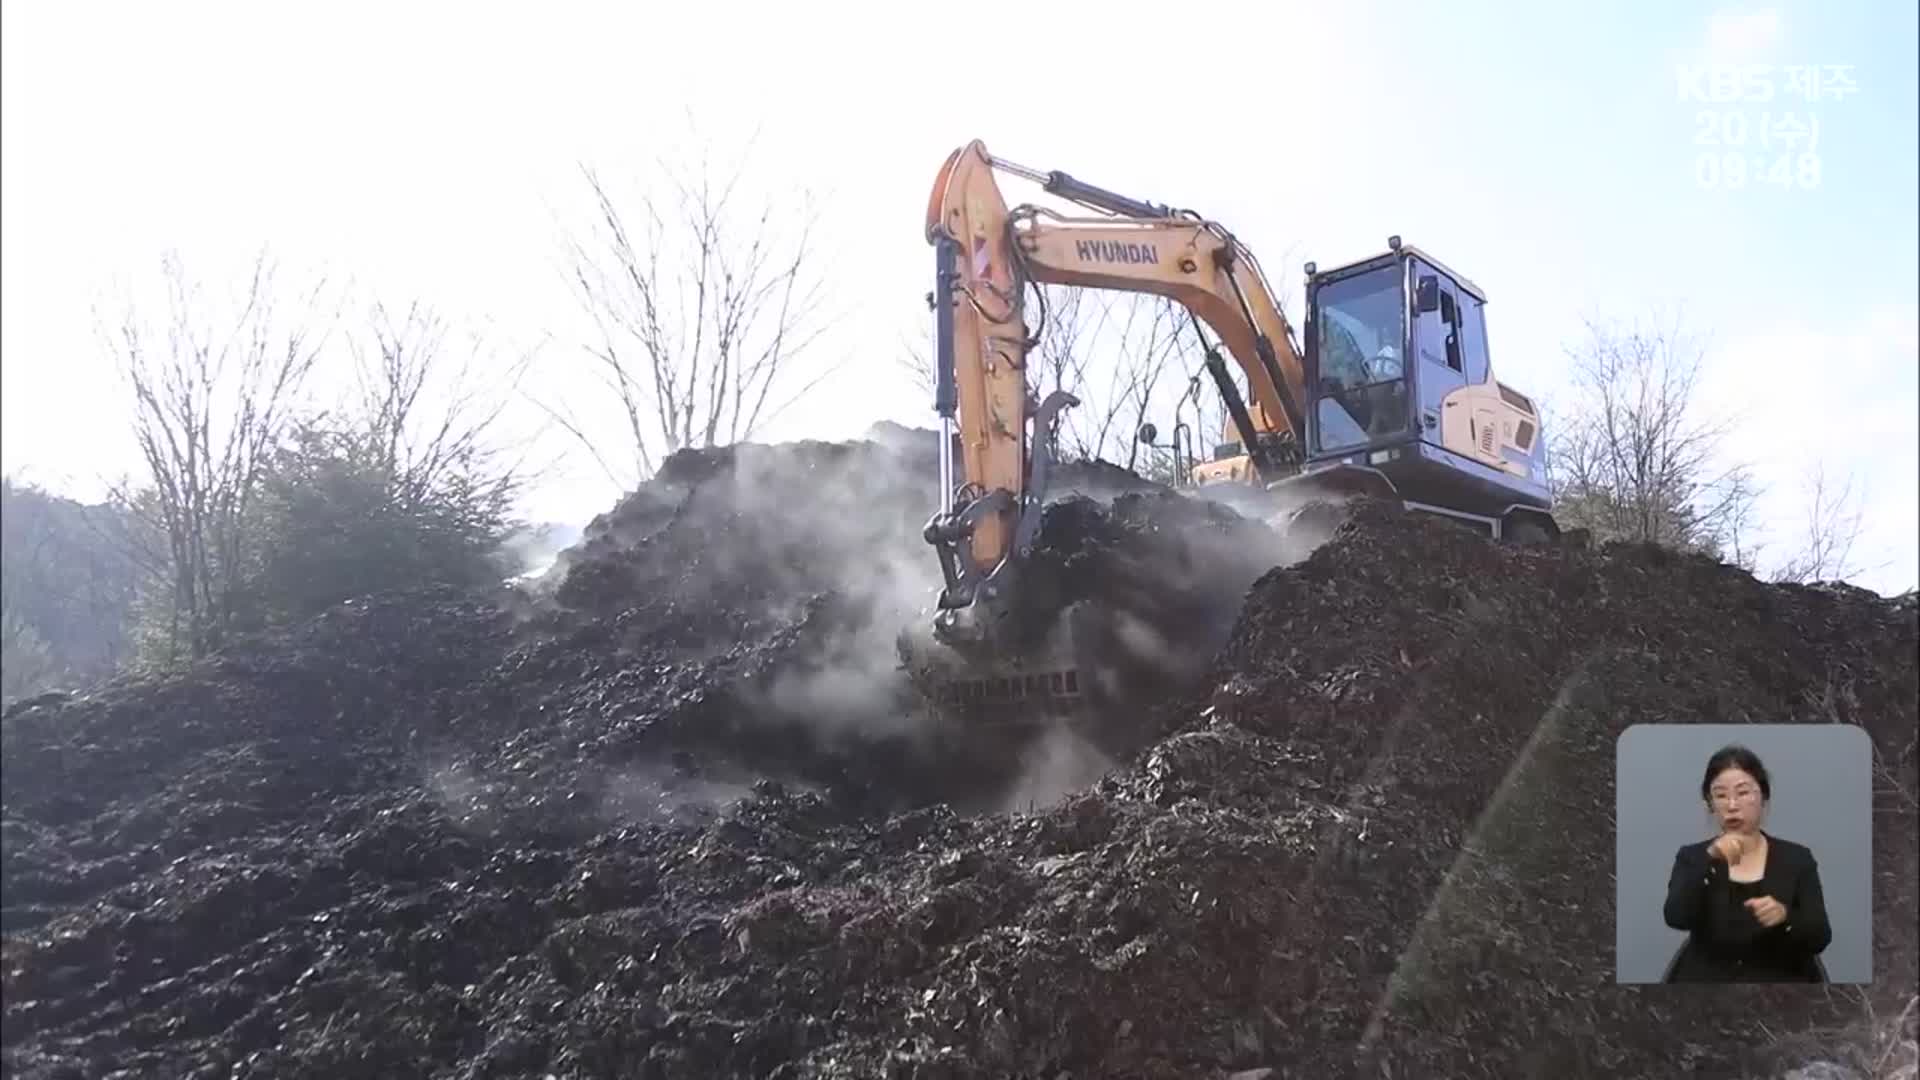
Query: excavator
{"x": 1388, "y": 394}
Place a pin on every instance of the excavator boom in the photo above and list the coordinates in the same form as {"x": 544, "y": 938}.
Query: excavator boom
{"x": 986, "y": 256}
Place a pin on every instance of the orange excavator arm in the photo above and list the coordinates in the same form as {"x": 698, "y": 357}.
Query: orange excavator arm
{"x": 986, "y": 256}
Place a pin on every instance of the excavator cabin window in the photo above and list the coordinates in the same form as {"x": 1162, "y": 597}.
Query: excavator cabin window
{"x": 1360, "y": 389}
{"x": 1450, "y": 325}
{"x": 1450, "y": 322}
{"x": 1473, "y": 338}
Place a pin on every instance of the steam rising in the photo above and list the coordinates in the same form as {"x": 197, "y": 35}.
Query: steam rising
{"x": 1058, "y": 765}
{"x": 530, "y": 553}
{"x": 654, "y": 794}
{"x": 813, "y": 553}
{"x": 863, "y": 552}
{"x": 860, "y": 530}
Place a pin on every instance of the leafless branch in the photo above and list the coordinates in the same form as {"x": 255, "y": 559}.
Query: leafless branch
{"x": 1834, "y": 521}
{"x": 1633, "y": 458}
{"x": 915, "y": 357}
{"x": 429, "y": 418}
{"x": 700, "y": 306}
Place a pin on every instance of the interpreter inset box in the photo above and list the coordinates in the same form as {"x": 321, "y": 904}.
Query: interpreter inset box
{"x": 1743, "y": 853}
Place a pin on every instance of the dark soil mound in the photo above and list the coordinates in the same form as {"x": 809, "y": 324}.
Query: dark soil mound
{"x": 670, "y": 820}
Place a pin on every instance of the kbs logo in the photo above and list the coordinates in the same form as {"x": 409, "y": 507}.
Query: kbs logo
{"x": 1115, "y": 251}
{"x": 1726, "y": 84}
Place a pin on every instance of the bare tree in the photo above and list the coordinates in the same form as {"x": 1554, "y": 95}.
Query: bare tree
{"x": 430, "y": 420}
{"x": 210, "y": 394}
{"x": 1632, "y": 457}
{"x": 1112, "y": 351}
{"x": 1741, "y": 545}
{"x": 1144, "y": 370}
{"x": 1834, "y": 522}
{"x": 1060, "y": 356}
{"x": 916, "y": 360}
{"x": 699, "y": 303}
{"x": 1143, "y": 336}
{"x": 406, "y": 483}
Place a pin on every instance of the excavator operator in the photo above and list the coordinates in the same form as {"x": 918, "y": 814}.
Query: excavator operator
{"x": 1367, "y": 386}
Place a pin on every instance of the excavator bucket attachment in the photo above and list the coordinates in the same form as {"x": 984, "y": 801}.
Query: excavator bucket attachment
{"x": 1117, "y": 604}
{"x": 988, "y": 664}
{"x": 1043, "y": 684}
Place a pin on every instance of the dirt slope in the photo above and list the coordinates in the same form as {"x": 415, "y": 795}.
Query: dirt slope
{"x": 671, "y": 821}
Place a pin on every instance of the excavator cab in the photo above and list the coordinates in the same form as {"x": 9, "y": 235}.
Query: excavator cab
{"x": 1402, "y": 402}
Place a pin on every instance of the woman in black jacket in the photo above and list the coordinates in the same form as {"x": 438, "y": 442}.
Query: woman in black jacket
{"x": 1749, "y": 901}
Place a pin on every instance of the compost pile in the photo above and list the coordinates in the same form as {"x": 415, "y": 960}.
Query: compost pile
{"x": 674, "y": 815}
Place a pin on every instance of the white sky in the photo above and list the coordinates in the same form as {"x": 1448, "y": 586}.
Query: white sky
{"x": 423, "y": 148}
